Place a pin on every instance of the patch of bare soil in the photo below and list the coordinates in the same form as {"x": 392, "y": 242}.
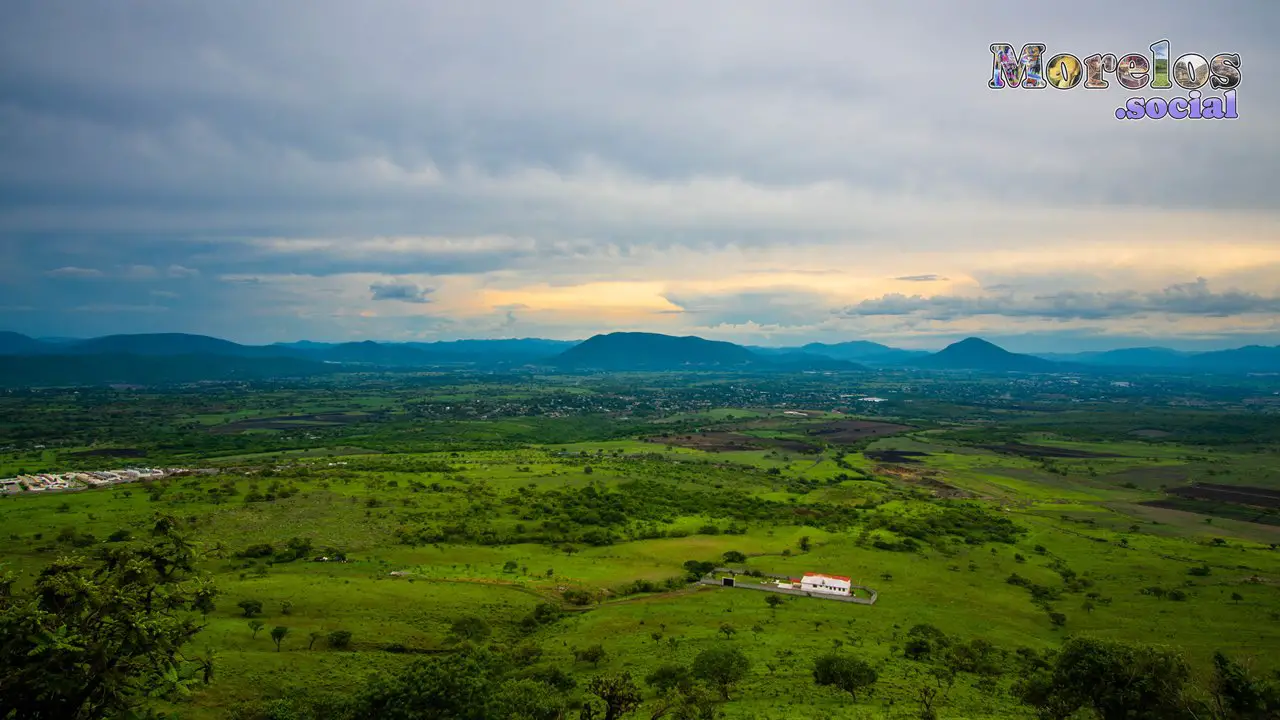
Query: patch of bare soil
{"x": 851, "y": 431}
{"x": 1045, "y": 451}
{"x": 722, "y": 441}
{"x": 928, "y": 479}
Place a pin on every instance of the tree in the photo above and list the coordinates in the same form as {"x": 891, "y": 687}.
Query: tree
{"x": 1058, "y": 619}
{"x": 847, "y": 673}
{"x": 1236, "y": 597}
{"x": 255, "y": 626}
{"x": 805, "y": 544}
{"x": 471, "y": 628}
{"x": 727, "y": 630}
{"x": 96, "y": 637}
{"x": 462, "y": 686}
{"x": 773, "y": 601}
{"x": 593, "y": 654}
{"x": 1117, "y": 680}
{"x": 618, "y": 692}
{"x": 510, "y": 566}
{"x": 721, "y": 666}
{"x": 733, "y": 556}
{"x": 668, "y": 677}
{"x": 278, "y": 634}
{"x": 286, "y": 607}
{"x": 339, "y": 639}
{"x": 1238, "y": 694}
{"x": 312, "y": 637}
{"x": 527, "y": 699}
{"x": 250, "y": 607}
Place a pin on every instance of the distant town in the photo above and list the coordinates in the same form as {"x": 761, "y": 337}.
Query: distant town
{"x": 85, "y": 480}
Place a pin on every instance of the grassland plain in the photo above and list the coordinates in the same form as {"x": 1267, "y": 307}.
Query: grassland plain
{"x": 465, "y": 536}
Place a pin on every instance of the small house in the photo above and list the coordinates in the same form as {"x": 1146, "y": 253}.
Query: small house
{"x": 826, "y": 584}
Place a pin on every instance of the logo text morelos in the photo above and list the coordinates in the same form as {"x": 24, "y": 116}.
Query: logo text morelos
{"x": 1191, "y": 71}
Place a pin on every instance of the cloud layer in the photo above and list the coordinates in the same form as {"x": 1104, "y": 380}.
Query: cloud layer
{"x": 432, "y": 170}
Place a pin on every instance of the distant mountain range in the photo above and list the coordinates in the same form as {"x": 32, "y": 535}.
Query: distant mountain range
{"x": 178, "y": 358}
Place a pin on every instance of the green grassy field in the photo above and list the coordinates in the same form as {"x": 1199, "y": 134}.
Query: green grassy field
{"x": 1080, "y": 518}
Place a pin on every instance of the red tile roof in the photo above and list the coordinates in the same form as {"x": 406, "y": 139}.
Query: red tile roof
{"x": 833, "y": 577}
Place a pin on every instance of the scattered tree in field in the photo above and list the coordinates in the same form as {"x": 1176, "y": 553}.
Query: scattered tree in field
{"x": 510, "y": 566}
{"x": 1087, "y": 606}
{"x": 728, "y": 631}
{"x": 278, "y": 634}
{"x": 668, "y": 677}
{"x": 286, "y": 607}
{"x": 88, "y": 639}
{"x": 250, "y": 607}
{"x": 656, "y": 636}
{"x": 312, "y": 637}
{"x": 773, "y": 601}
{"x": 618, "y": 692}
{"x": 850, "y": 674}
{"x": 593, "y": 654}
{"x": 1236, "y": 597}
{"x": 805, "y": 544}
{"x": 1058, "y": 619}
{"x": 255, "y": 626}
{"x": 470, "y": 628}
{"x": 733, "y": 556}
{"x": 339, "y": 639}
{"x": 721, "y": 666}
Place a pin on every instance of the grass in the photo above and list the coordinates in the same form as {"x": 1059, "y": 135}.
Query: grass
{"x": 1081, "y": 521}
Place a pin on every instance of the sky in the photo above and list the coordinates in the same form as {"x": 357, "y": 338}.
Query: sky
{"x": 761, "y": 172}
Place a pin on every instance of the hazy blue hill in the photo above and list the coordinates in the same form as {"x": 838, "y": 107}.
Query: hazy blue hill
{"x": 12, "y": 343}
{"x": 371, "y": 353}
{"x": 1144, "y": 357}
{"x": 514, "y": 350}
{"x": 652, "y": 351}
{"x": 852, "y": 350}
{"x": 1251, "y": 358}
{"x": 978, "y": 354}
{"x": 103, "y": 369}
{"x": 165, "y": 344}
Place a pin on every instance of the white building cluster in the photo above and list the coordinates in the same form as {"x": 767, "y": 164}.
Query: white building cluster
{"x": 54, "y": 482}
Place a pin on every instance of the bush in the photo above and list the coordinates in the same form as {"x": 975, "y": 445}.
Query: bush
{"x": 339, "y": 639}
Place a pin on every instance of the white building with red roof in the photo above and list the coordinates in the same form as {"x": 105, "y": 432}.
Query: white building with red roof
{"x": 827, "y": 584}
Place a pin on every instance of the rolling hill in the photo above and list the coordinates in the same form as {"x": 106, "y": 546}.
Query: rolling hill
{"x": 978, "y": 354}
{"x": 652, "y": 351}
{"x": 12, "y": 343}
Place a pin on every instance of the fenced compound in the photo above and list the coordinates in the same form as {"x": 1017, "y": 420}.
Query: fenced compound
{"x": 714, "y": 578}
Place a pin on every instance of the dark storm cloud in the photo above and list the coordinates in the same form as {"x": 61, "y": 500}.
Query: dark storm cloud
{"x": 403, "y": 292}
{"x": 1193, "y": 298}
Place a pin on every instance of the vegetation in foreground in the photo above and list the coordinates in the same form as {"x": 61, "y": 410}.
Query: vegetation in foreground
{"x": 1019, "y": 571}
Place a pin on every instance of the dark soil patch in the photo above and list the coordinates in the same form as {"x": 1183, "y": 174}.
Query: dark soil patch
{"x": 1151, "y": 477}
{"x": 1212, "y": 508}
{"x": 109, "y": 452}
{"x": 851, "y": 431}
{"x": 895, "y": 456}
{"x": 1044, "y": 451}
{"x": 1234, "y": 494}
{"x": 720, "y": 441}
